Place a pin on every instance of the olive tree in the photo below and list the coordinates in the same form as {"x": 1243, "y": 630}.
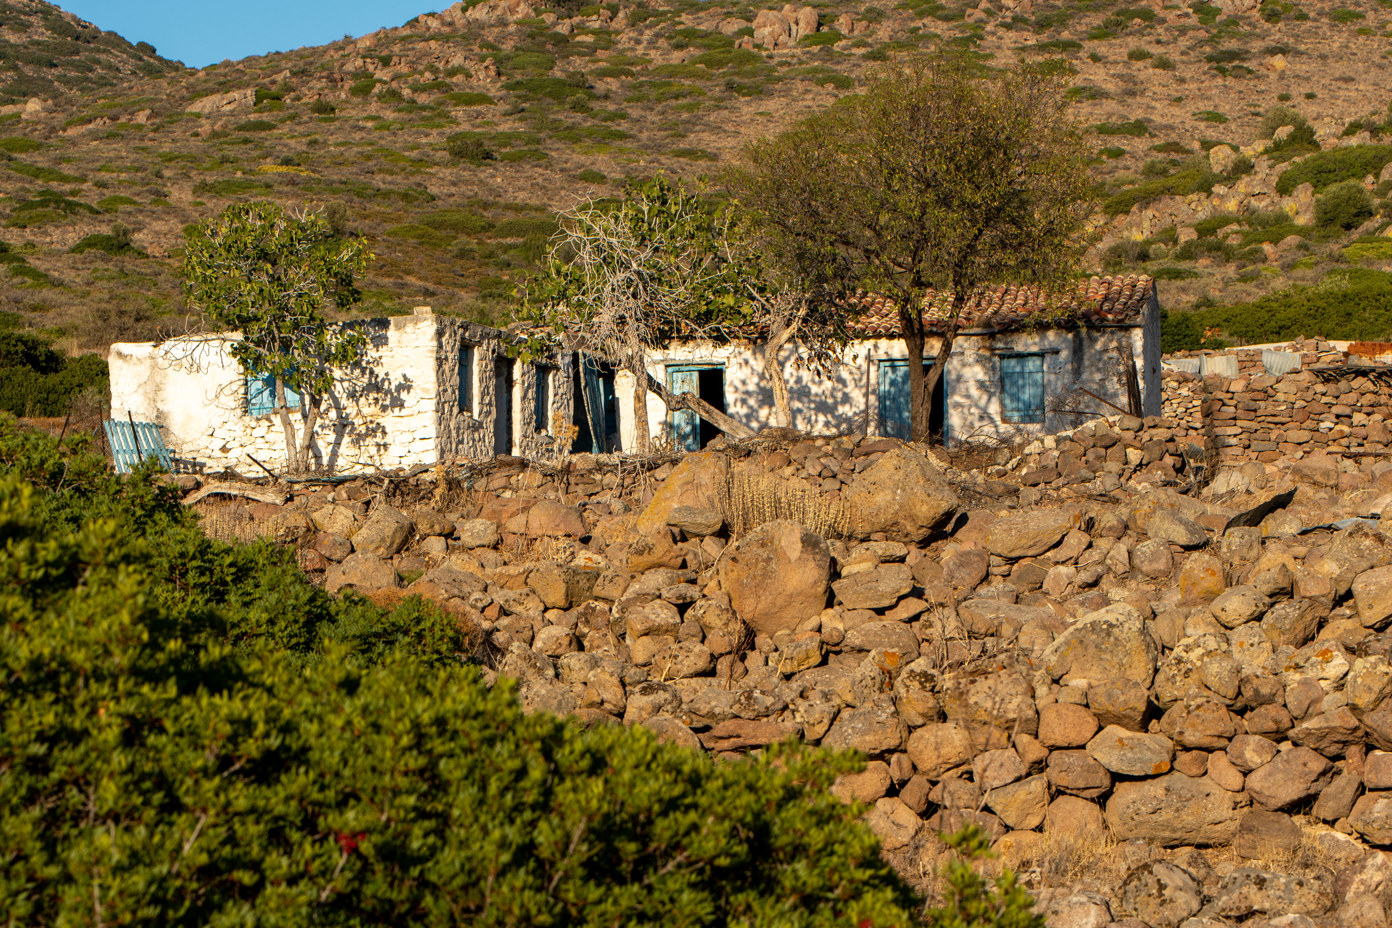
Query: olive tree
{"x": 933, "y": 179}
{"x": 270, "y": 275}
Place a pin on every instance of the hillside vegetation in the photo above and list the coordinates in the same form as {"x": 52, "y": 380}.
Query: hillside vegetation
{"x": 450, "y": 141}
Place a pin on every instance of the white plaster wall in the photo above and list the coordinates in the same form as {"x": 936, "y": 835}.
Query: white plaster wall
{"x": 380, "y": 414}
{"x": 847, "y": 401}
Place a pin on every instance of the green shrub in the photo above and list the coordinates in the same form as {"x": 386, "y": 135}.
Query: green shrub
{"x": 18, "y": 145}
{"x": 1212, "y": 116}
{"x": 1112, "y": 152}
{"x": 322, "y": 107}
{"x": 193, "y": 784}
{"x": 468, "y": 147}
{"x": 1194, "y": 176}
{"x": 1375, "y": 249}
{"x": 364, "y": 87}
{"x": 1326, "y": 168}
{"x": 457, "y": 220}
{"x": 117, "y": 243}
{"x": 44, "y": 174}
{"x": 591, "y": 176}
{"x": 1139, "y": 54}
{"x": 1346, "y": 205}
{"x": 113, "y": 204}
{"x": 522, "y": 228}
{"x": 254, "y": 125}
{"x": 1353, "y": 304}
{"x": 1136, "y": 127}
{"x": 693, "y": 154}
{"x": 1345, "y": 15}
{"x": 35, "y": 380}
{"x": 820, "y": 39}
{"x": 1162, "y": 63}
{"x": 1278, "y": 117}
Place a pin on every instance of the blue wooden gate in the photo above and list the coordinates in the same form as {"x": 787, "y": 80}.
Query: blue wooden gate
{"x": 685, "y": 424}
{"x": 132, "y": 442}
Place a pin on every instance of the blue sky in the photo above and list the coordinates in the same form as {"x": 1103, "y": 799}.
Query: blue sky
{"x": 203, "y": 33}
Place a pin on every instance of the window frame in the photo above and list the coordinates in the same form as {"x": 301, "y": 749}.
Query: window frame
{"x": 1013, "y": 411}
{"x": 467, "y": 380}
{"x": 294, "y": 402}
{"x": 543, "y": 393}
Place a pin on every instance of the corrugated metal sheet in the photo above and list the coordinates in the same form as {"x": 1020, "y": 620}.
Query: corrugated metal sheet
{"x": 1186, "y": 365}
{"x": 1280, "y": 362}
{"x": 1222, "y": 365}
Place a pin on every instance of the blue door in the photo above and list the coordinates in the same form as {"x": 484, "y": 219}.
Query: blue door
{"x": 895, "y": 402}
{"x": 686, "y": 425}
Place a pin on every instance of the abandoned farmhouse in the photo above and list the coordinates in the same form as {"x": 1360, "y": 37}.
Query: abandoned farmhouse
{"x": 433, "y": 388}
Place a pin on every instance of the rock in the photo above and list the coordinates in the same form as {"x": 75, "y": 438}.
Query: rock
{"x": 1078, "y": 774}
{"x": 1293, "y": 622}
{"x": 361, "y": 571}
{"x": 901, "y": 495}
{"x": 1290, "y": 777}
{"x": 743, "y": 734}
{"x": 384, "y": 534}
{"x": 993, "y": 769}
{"x": 1336, "y": 800}
{"x": 218, "y": 103}
{"x": 1131, "y": 753}
{"x": 554, "y": 641}
{"x": 915, "y": 694}
{"x": 1238, "y": 606}
{"x": 1028, "y": 533}
{"x": 724, "y": 631}
{"x": 1153, "y": 559}
{"x": 671, "y": 731}
{"x": 431, "y": 524}
{"x": 800, "y": 654}
{"x": 866, "y": 786}
{"x": 1200, "y": 723}
{"x": 1371, "y": 818}
{"x": 1201, "y": 579}
{"x": 1021, "y": 805}
{"x": 696, "y": 483}
{"x": 1247, "y": 891}
{"x": 1072, "y": 817}
{"x": 874, "y": 728}
{"x": 1372, "y": 591}
{"x": 549, "y": 518}
{"x": 695, "y": 522}
{"x": 648, "y": 699}
{"x": 1368, "y": 683}
{"x": 994, "y": 707}
{"x": 1120, "y": 702}
{"x": 1330, "y": 733}
{"x": 1159, "y": 893}
{"x": 878, "y": 588}
{"x": 676, "y": 660}
{"x": 1108, "y": 645}
{"x": 967, "y": 569}
{"x": 887, "y": 636}
{"x": 776, "y": 576}
{"x": 478, "y": 533}
{"x": 894, "y": 823}
{"x": 1266, "y": 835}
{"x": 1173, "y": 810}
{"x": 1170, "y": 527}
{"x": 1248, "y": 752}
{"x": 1078, "y": 910}
{"x": 1062, "y": 725}
{"x": 938, "y": 747}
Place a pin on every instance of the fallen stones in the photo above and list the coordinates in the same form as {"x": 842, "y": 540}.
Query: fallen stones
{"x": 777, "y": 576}
{"x": 902, "y": 496}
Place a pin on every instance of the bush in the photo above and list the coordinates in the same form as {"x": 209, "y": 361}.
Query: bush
{"x": 254, "y": 125}
{"x": 468, "y": 147}
{"x": 1345, "y": 205}
{"x": 162, "y": 778}
{"x": 1353, "y": 304}
{"x": 35, "y": 380}
{"x": 1326, "y": 168}
{"x": 322, "y": 108}
{"x": 1136, "y": 127}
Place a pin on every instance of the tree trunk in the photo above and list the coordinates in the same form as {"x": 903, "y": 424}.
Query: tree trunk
{"x": 911, "y": 324}
{"x": 699, "y": 406}
{"x": 291, "y": 458}
{"x": 641, "y": 435}
{"x": 773, "y": 367}
{"x": 307, "y": 436}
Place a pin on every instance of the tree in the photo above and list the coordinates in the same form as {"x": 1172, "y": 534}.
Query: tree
{"x": 270, "y": 275}
{"x": 622, "y": 280}
{"x": 932, "y": 180}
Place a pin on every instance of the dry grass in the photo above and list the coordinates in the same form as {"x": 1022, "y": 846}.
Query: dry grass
{"x": 747, "y": 501}
{"x": 227, "y": 521}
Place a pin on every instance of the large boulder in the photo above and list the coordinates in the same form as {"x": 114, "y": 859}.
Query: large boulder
{"x": 777, "y": 576}
{"x": 385, "y": 533}
{"x": 1030, "y": 532}
{"x": 695, "y": 483}
{"x": 1173, "y": 810}
{"x": 1111, "y": 644}
{"x": 902, "y": 495}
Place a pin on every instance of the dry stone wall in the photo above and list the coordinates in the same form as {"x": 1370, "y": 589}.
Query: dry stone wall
{"x": 1070, "y": 644}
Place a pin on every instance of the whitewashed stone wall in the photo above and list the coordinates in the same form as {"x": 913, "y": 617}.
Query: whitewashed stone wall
{"x": 847, "y": 401}
{"x": 398, "y": 408}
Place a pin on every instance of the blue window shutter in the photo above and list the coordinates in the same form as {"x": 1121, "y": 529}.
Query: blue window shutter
{"x": 292, "y": 397}
{"x": 894, "y": 399}
{"x": 260, "y": 393}
{"x": 1022, "y": 387}
{"x": 686, "y": 425}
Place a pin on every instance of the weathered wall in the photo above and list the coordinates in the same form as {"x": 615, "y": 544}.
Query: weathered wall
{"x": 847, "y": 402}
{"x": 398, "y": 408}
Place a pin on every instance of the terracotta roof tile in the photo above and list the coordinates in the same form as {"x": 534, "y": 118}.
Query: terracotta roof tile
{"x": 1097, "y": 301}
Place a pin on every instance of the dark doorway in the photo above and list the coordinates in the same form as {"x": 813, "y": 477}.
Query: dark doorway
{"x": 689, "y": 431}
{"x": 894, "y": 401}
{"x": 595, "y": 418}
{"x": 502, "y": 405}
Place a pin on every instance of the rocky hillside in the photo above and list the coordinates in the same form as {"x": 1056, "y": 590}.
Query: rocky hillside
{"x": 1160, "y": 703}
{"x": 450, "y": 141}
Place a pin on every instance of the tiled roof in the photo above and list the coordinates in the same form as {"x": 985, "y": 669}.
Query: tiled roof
{"x": 1097, "y": 301}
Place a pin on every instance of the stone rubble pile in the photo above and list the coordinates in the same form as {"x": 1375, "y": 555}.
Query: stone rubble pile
{"x": 1064, "y": 645}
